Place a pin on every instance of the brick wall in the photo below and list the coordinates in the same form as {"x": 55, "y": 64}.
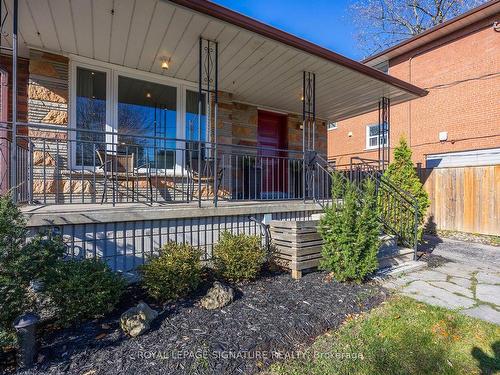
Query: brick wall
{"x": 22, "y": 86}
{"x": 460, "y": 71}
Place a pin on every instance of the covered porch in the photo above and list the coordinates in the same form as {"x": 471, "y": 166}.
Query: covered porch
{"x": 173, "y": 101}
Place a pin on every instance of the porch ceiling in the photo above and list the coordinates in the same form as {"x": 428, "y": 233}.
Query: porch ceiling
{"x": 258, "y": 64}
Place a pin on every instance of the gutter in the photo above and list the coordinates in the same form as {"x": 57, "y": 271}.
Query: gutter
{"x": 250, "y": 24}
{"x": 430, "y": 31}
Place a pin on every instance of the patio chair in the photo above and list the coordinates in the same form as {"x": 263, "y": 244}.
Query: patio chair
{"x": 119, "y": 168}
{"x": 206, "y": 177}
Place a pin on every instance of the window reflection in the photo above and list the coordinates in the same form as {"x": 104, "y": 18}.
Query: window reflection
{"x": 191, "y": 123}
{"x": 90, "y": 114}
{"x": 147, "y": 114}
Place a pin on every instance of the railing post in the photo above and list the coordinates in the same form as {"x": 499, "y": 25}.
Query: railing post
{"x": 200, "y": 93}
{"x": 13, "y": 153}
{"x": 415, "y": 232}
{"x": 30, "y": 172}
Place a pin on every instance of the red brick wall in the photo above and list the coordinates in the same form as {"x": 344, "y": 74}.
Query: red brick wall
{"x": 22, "y": 86}
{"x": 462, "y": 99}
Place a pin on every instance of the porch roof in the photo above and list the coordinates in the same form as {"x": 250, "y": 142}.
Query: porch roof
{"x": 258, "y": 64}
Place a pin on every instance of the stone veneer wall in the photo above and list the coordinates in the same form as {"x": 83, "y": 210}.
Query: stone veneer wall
{"x": 237, "y": 125}
{"x": 48, "y": 93}
{"x": 48, "y": 89}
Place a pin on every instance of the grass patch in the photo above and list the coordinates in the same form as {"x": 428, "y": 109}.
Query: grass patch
{"x": 402, "y": 336}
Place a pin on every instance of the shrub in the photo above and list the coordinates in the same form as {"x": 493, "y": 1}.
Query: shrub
{"x": 239, "y": 257}
{"x": 20, "y": 263}
{"x": 172, "y": 274}
{"x": 350, "y": 230}
{"x": 401, "y": 173}
{"x": 83, "y": 289}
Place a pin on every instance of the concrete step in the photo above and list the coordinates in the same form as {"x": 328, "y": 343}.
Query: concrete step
{"x": 395, "y": 257}
{"x": 388, "y": 244}
{"x": 405, "y": 267}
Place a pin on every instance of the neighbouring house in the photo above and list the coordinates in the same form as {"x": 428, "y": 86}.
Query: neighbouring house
{"x": 454, "y": 131}
{"x": 143, "y": 122}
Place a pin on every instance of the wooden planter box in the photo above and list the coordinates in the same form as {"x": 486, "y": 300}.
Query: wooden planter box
{"x": 297, "y": 245}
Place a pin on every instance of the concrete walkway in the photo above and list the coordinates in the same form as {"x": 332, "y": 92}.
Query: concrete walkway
{"x": 466, "y": 278}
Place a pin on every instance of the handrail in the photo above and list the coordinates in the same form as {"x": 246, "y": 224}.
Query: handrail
{"x": 400, "y": 191}
{"x": 406, "y": 204}
{"x": 402, "y": 196}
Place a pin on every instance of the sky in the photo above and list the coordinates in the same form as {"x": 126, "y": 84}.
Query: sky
{"x": 324, "y": 22}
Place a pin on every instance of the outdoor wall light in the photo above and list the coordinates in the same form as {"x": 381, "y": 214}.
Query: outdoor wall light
{"x": 165, "y": 64}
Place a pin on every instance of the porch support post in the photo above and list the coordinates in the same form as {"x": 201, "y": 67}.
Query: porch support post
{"x": 308, "y": 131}
{"x": 13, "y": 153}
{"x": 208, "y": 84}
{"x": 384, "y": 143}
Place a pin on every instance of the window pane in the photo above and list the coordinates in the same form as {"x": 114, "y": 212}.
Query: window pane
{"x": 192, "y": 116}
{"x": 191, "y": 119}
{"x": 373, "y": 130}
{"x": 147, "y": 117}
{"x": 373, "y": 141}
{"x": 90, "y": 114}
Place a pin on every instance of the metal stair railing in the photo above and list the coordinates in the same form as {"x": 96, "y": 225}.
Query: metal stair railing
{"x": 398, "y": 209}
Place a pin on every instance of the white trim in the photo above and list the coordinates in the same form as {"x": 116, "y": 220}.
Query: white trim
{"x": 72, "y": 107}
{"x": 367, "y": 139}
{"x": 335, "y": 127}
{"x": 126, "y": 70}
{"x": 113, "y": 71}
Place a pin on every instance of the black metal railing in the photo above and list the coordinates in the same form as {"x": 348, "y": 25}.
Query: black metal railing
{"x": 397, "y": 209}
{"x": 59, "y": 165}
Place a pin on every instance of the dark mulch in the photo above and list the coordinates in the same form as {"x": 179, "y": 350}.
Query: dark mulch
{"x": 272, "y": 314}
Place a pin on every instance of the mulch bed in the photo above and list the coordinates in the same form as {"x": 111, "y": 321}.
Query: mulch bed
{"x": 273, "y": 314}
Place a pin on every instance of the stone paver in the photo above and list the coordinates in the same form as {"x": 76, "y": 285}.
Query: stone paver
{"x": 449, "y": 299}
{"x": 484, "y": 312}
{"x": 488, "y": 293}
{"x": 488, "y": 278}
{"x": 466, "y": 283}
{"x": 469, "y": 282}
{"x": 453, "y": 288}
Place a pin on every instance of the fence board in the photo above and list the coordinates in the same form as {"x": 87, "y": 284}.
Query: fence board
{"x": 465, "y": 199}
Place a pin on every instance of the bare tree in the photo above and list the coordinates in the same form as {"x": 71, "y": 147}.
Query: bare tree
{"x": 383, "y": 23}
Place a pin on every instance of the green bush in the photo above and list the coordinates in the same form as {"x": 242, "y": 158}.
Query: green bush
{"x": 20, "y": 263}
{"x": 172, "y": 274}
{"x": 402, "y": 174}
{"x": 350, "y": 231}
{"x": 83, "y": 289}
{"x": 239, "y": 257}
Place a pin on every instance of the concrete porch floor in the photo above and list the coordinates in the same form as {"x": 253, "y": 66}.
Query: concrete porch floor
{"x": 42, "y": 215}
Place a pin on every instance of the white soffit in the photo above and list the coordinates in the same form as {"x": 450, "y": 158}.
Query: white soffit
{"x": 140, "y": 33}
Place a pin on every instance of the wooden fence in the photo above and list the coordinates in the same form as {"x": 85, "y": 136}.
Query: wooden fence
{"x": 465, "y": 199}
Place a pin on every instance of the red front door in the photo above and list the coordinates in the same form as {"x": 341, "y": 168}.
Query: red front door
{"x": 272, "y": 138}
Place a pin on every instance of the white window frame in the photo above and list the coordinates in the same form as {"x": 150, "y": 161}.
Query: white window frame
{"x": 112, "y": 73}
{"x": 334, "y": 125}
{"x": 367, "y": 145}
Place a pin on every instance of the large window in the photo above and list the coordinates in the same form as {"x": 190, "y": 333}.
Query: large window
{"x": 147, "y": 115}
{"x": 90, "y": 114}
{"x": 374, "y": 136}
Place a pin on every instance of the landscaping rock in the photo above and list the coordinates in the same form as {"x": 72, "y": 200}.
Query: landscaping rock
{"x": 218, "y": 296}
{"x": 136, "y": 320}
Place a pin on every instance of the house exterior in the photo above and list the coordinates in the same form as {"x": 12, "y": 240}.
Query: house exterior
{"x": 136, "y": 124}
{"x": 458, "y": 123}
